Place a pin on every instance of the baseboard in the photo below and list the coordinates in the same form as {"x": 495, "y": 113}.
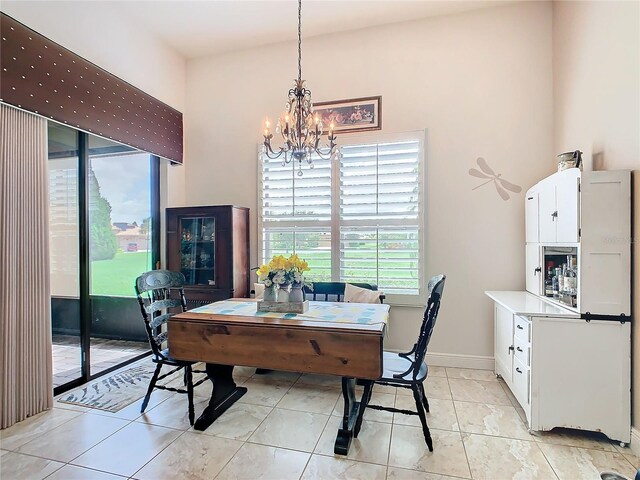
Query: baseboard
{"x": 461, "y": 361}
{"x": 635, "y": 441}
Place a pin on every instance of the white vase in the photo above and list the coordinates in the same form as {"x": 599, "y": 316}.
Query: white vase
{"x": 283, "y": 293}
{"x": 296, "y": 294}
{"x": 270, "y": 294}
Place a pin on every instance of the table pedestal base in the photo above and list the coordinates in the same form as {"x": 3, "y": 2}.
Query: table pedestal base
{"x": 353, "y": 413}
{"x": 225, "y": 393}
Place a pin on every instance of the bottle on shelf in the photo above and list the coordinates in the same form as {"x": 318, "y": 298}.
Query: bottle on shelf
{"x": 573, "y": 262}
{"x": 561, "y": 271}
{"x": 548, "y": 283}
{"x": 556, "y": 285}
{"x": 571, "y": 282}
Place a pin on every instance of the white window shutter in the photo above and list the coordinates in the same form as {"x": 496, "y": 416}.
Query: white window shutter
{"x": 375, "y": 223}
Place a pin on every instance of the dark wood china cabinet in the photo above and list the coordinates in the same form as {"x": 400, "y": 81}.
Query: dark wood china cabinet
{"x": 210, "y": 246}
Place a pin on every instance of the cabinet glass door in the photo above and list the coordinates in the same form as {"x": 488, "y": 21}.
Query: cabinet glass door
{"x": 197, "y": 250}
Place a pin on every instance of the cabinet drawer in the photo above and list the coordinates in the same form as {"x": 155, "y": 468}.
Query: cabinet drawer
{"x": 520, "y": 382}
{"x": 521, "y": 328}
{"x": 522, "y": 350}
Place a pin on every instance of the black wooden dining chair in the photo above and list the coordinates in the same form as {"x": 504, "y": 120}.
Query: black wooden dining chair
{"x": 160, "y": 291}
{"x": 409, "y": 370}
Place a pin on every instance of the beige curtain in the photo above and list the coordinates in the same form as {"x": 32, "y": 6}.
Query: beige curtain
{"x": 25, "y": 316}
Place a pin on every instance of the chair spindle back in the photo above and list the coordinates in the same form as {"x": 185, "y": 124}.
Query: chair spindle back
{"x": 159, "y": 291}
{"x": 435, "y": 287}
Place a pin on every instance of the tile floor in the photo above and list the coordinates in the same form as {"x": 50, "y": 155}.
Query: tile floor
{"x": 104, "y": 354}
{"x": 285, "y": 426}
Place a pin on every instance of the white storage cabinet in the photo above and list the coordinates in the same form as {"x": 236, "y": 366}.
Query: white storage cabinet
{"x": 592, "y": 212}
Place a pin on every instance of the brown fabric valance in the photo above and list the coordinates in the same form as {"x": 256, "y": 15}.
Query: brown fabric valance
{"x": 43, "y": 77}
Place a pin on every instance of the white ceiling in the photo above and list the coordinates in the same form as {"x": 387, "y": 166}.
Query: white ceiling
{"x": 200, "y": 28}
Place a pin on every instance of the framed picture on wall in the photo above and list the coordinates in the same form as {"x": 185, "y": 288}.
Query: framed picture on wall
{"x": 352, "y": 115}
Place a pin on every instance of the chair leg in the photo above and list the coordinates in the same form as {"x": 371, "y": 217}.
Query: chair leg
{"x": 424, "y": 398}
{"x": 152, "y": 385}
{"x": 364, "y": 401}
{"x": 189, "y": 378}
{"x": 423, "y": 417}
{"x": 369, "y": 393}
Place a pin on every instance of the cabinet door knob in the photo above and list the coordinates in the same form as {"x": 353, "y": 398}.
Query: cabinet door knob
{"x": 510, "y": 348}
{"x": 519, "y": 327}
{"x": 537, "y": 270}
{"x": 518, "y": 370}
{"x": 519, "y": 349}
{"x": 554, "y": 215}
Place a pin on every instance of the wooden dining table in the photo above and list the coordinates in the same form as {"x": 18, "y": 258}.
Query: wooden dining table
{"x": 342, "y": 339}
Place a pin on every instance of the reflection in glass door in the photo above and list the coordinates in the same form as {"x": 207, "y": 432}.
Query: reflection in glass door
{"x": 120, "y": 249}
{"x": 63, "y": 253}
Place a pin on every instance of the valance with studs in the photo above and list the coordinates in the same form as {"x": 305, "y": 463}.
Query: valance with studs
{"x": 42, "y": 77}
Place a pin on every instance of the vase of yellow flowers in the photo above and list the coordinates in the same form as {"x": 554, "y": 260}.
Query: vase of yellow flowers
{"x": 287, "y": 275}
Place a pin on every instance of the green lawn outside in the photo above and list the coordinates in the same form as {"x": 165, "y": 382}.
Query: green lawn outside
{"x": 403, "y": 279}
{"x": 116, "y": 277}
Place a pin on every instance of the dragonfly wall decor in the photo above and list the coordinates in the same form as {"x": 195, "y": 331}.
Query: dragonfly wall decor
{"x": 501, "y": 184}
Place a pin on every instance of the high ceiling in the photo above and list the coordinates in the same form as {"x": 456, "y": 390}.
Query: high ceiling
{"x": 200, "y": 28}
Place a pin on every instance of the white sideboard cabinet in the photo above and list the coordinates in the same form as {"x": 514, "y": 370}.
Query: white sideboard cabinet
{"x": 563, "y": 370}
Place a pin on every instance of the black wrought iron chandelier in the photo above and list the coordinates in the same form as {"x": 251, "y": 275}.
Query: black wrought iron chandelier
{"x": 300, "y": 128}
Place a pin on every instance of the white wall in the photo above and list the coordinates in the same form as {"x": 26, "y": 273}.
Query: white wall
{"x": 100, "y": 33}
{"x": 480, "y": 82}
{"x": 596, "y": 63}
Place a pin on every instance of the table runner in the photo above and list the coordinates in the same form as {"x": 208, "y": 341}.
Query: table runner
{"x": 333, "y": 312}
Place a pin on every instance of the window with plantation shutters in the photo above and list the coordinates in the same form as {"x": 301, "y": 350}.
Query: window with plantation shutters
{"x": 296, "y": 214}
{"x": 357, "y": 218}
{"x": 379, "y": 215}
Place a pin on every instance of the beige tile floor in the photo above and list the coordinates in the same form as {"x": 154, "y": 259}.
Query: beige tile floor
{"x": 284, "y": 428}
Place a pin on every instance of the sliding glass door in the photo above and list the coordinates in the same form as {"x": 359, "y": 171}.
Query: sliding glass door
{"x": 120, "y": 249}
{"x": 64, "y": 254}
{"x": 104, "y": 233}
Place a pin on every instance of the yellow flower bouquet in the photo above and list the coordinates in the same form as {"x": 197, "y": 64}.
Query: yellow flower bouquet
{"x": 284, "y": 271}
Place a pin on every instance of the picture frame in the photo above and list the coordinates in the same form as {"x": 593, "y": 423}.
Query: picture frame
{"x": 351, "y": 115}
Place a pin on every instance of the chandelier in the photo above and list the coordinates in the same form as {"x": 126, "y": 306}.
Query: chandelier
{"x": 300, "y": 128}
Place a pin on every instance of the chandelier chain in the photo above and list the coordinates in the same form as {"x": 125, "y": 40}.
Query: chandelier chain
{"x": 299, "y": 40}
